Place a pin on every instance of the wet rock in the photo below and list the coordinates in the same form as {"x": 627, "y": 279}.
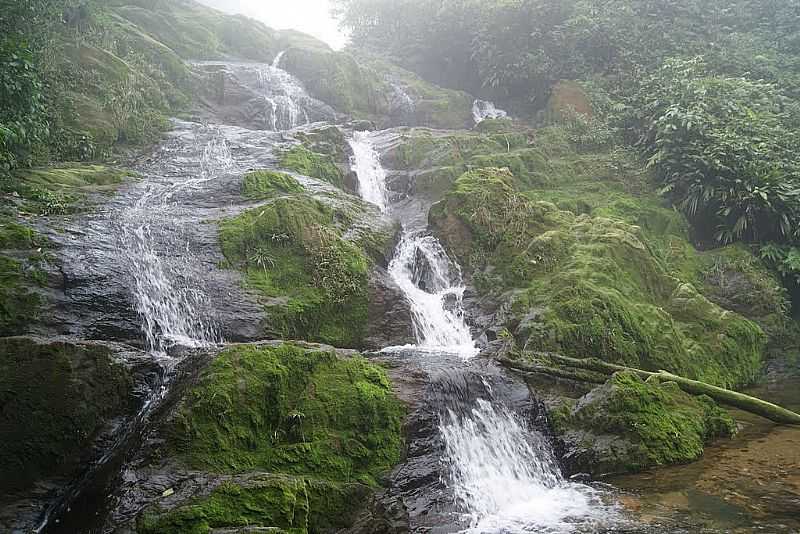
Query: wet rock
{"x": 63, "y": 402}
{"x": 286, "y": 468}
{"x": 628, "y": 425}
{"x": 390, "y": 322}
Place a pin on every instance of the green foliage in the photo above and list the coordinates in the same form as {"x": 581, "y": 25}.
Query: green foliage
{"x": 264, "y": 184}
{"x": 321, "y": 166}
{"x": 293, "y": 253}
{"x": 662, "y": 424}
{"x": 292, "y": 410}
{"x": 725, "y": 150}
{"x": 23, "y": 124}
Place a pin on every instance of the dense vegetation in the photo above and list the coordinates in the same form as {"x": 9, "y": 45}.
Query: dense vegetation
{"x": 710, "y": 102}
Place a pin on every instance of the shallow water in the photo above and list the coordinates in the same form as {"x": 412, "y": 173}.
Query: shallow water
{"x": 750, "y": 483}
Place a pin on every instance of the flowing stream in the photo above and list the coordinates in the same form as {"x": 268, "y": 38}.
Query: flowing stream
{"x": 164, "y": 254}
{"x": 503, "y": 476}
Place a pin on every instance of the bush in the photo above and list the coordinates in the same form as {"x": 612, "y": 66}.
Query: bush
{"x": 724, "y": 149}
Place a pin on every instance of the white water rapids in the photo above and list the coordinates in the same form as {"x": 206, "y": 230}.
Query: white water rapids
{"x": 504, "y": 477}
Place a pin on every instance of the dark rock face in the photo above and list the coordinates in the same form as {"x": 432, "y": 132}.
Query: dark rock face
{"x": 63, "y": 402}
{"x": 390, "y": 321}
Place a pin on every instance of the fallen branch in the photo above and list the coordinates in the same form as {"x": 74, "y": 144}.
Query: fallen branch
{"x": 599, "y": 371}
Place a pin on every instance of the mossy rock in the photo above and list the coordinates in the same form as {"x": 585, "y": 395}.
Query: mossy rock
{"x": 62, "y": 188}
{"x": 22, "y": 273}
{"x": 314, "y": 282}
{"x": 591, "y": 286}
{"x": 260, "y": 185}
{"x": 56, "y": 396}
{"x": 268, "y": 503}
{"x": 289, "y": 409}
{"x": 629, "y": 425}
{"x": 313, "y": 164}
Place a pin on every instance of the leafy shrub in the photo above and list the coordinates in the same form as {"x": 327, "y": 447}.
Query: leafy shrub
{"x": 724, "y": 149}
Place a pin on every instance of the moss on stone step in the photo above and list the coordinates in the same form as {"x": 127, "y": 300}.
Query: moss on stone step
{"x": 591, "y": 286}
{"x": 260, "y": 185}
{"x": 628, "y": 424}
{"x": 287, "y": 409}
{"x": 314, "y": 281}
{"x": 306, "y": 162}
{"x": 281, "y": 503}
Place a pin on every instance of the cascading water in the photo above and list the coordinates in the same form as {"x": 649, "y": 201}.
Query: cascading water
{"x": 503, "y": 476}
{"x": 173, "y": 308}
{"x": 423, "y": 271}
{"x": 261, "y": 95}
{"x": 367, "y": 165}
{"x": 430, "y": 281}
{"x": 285, "y": 98}
{"x": 483, "y": 109}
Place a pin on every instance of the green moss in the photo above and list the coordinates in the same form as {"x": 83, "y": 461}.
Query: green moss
{"x": 61, "y": 189}
{"x": 54, "y": 397}
{"x": 260, "y": 185}
{"x": 663, "y": 424}
{"x": 291, "y": 410}
{"x": 19, "y": 305}
{"x": 283, "y": 503}
{"x": 15, "y": 236}
{"x": 280, "y": 502}
{"x": 596, "y": 285}
{"x": 320, "y": 166}
{"x": 293, "y": 253}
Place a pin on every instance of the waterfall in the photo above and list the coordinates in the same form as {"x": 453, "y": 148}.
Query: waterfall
{"x": 276, "y": 63}
{"x": 432, "y": 284}
{"x": 505, "y": 477}
{"x": 173, "y": 307}
{"x": 421, "y": 268}
{"x": 483, "y": 109}
{"x": 367, "y": 165}
{"x": 285, "y": 98}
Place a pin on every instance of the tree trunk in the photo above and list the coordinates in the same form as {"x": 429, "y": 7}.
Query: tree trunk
{"x": 599, "y": 370}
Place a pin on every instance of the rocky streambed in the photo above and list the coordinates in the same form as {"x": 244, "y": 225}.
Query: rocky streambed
{"x": 432, "y": 252}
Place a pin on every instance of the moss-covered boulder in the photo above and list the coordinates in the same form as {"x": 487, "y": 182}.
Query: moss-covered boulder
{"x": 299, "y": 436}
{"x": 286, "y": 409}
{"x": 259, "y": 185}
{"x": 313, "y": 164}
{"x": 592, "y": 286}
{"x": 56, "y": 396}
{"x": 628, "y": 425}
{"x": 308, "y": 258}
{"x": 23, "y": 261}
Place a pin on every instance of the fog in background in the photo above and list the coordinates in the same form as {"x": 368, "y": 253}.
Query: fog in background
{"x": 310, "y": 16}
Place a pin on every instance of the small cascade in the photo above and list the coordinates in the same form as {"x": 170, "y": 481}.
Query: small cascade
{"x": 276, "y": 63}
{"x": 173, "y": 308}
{"x": 483, "y": 109}
{"x": 505, "y": 478}
{"x": 261, "y": 96}
{"x": 432, "y": 284}
{"x": 421, "y": 268}
{"x": 400, "y": 101}
{"x": 367, "y": 165}
{"x": 285, "y": 98}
